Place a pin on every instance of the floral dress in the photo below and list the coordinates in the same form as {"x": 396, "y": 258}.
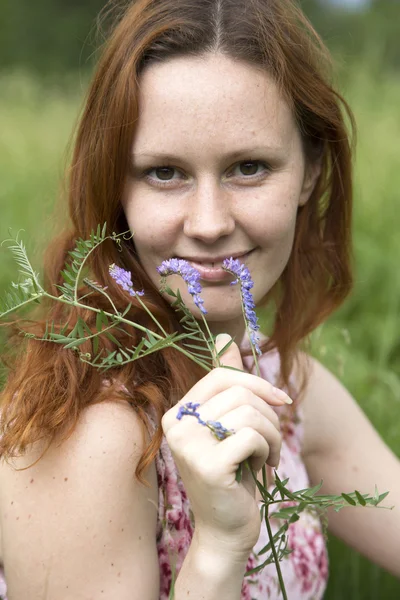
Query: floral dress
{"x": 305, "y": 570}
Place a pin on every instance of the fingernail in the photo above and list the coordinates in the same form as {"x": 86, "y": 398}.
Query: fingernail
{"x": 281, "y": 395}
{"x": 222, "y": 338}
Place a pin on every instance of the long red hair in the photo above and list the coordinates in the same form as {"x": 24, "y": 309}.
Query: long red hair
{"x": 48, "y": 386}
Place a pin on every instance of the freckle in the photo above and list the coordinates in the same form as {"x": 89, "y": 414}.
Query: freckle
{"x": 110, "y": 521}
{"x": 17, "y": 519}
{"x": 122, "y": 529}
{"x": 53, "y": 477}
{"x": 29, "y": 516}
{"x": 355, "y": 469}
{"x": 12, "y": 501}
{"x": 32, "y": 480}
{"x": 140, "y": 537}
{"x": 104, "y": 451}
{"x": 112, "y": 564}
{"x": 118, "y": 574}
{"x": 65, "y": 478}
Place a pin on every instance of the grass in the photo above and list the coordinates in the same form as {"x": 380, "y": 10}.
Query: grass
{"x": 360, "y": 344}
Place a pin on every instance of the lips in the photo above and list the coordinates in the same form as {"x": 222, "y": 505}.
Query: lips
{"x": 213, "y": 271}
{"x": 214, "y": 263}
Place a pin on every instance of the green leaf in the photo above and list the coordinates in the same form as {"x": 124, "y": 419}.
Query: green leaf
{"x": 74, "y": 343}
{"x": 360, "y": 498}
{"x": 95, "y": 344}
{"x": 223, "y": 350}
{"x": 349, "y": 500}
{"x": 382, "y": 496}
{"x": 112, "y": 338}
{"x": 294, "y": 518}
{"x": 99, "y": 322}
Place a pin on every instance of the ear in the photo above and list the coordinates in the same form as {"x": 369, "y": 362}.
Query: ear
{"x": 311, "y": 173}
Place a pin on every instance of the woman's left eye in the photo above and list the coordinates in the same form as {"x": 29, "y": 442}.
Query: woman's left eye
{"x": 250, "y": 168}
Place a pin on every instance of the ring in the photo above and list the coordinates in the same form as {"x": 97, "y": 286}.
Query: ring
{"x": 217, "y": 429}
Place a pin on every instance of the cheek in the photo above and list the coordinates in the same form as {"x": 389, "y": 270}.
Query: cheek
{"x": 153, "y": 230}
{"x": 276, "y": 224}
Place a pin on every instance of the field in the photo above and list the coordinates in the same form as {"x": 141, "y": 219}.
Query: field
{"x": 361, "y": 343}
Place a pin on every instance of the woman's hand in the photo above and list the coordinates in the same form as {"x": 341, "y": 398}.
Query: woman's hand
{"x": 224, "y": 509}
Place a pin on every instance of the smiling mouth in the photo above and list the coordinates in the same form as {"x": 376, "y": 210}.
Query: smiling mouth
{"x": 214, "y": 264}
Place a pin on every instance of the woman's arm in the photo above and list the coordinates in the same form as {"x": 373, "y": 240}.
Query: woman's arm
{"x": 342, "y": 448}
{"x": 78, "y": 525}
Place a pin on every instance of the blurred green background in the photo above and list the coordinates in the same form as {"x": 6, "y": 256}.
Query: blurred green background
{"x": 47, "y": 51}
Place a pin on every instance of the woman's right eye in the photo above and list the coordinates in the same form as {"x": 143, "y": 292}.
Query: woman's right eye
{"x": 160, "y": 175}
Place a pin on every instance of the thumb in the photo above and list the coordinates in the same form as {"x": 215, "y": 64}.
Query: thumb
{"x": 231, "y": 356}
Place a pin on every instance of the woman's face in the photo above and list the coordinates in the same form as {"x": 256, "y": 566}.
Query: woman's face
{"x": 217, "y": 170}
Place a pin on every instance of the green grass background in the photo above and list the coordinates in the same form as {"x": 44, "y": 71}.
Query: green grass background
{"x": 360, "y": 344}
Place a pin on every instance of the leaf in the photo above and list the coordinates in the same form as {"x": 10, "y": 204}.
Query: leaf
{"x": 99, "y": 322}
{"x": 75, "y": 343}
{"x": 360, "y": 498}
{"x": 112, "y": 338}
{"x": 222, "y": 351}
{"x": 382, "y": 497}
{"x": 311, "y": 491}
{"x": 275, "y": 537}
{"x": 348, "y": 499}
{"x": 294, "y": 518}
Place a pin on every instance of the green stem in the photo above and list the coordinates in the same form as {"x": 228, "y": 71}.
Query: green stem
{"x": 127, "y": 322}
{"x": 152, "y": 316}
{"x": 211, "y": 350}
{"x": 271, "y": 540}
{"x": 274, "y": 554}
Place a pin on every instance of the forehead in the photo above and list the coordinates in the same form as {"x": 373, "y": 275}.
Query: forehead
{"x": 193, "y": 102}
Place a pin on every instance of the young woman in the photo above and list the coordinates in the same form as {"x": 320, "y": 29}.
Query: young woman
{"x": 210, "y": 130}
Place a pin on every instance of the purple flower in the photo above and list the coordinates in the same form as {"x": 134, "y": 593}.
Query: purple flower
{"x": 218, "y": 430}
{"x": 124, "y": 279}
{"x": 242, "y": 274}
{"x": 191, "y": 276}
{"x": 188, "y": 409}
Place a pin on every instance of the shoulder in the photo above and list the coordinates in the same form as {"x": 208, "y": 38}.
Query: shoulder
{"x": 81, "y": 506}
{"x": 328, "y": 409}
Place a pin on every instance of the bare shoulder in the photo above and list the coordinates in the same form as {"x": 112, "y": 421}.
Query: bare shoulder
{"x": 329, "y": 410}
{"x": 78, "y": 519}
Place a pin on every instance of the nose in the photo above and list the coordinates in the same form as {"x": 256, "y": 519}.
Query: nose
{"x": 208, "y": 215}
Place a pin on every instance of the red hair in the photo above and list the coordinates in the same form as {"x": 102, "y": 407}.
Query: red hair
{"x": 48, "y": 386}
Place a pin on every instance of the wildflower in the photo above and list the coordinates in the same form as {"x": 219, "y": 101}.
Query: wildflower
{"x": 188, "y": 273}
{"x": 242, "y": 273}
{"x": 124, "y": 279}
{"x": 188, "y": 409}
{"x": 217, "y": 429}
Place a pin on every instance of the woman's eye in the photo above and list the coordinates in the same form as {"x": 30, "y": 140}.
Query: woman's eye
{"x": 250, "y": 168}
{"x": 164, "y": 173}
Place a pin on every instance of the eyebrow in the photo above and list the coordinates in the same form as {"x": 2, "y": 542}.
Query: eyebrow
{"x": 230, "y": 156}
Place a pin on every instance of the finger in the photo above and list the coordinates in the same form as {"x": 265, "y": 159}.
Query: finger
{"x": 245, "y": 444}
{"x": 247, "y": 416}
{"x": 234, "y": 397}
{"x": 231, "y": 356}
{"x": 221, "y": 379}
